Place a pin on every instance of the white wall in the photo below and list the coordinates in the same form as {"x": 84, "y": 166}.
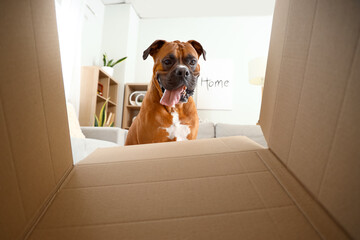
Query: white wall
{"x": 80, "y": 34}
{"x": 132, "y": 41}
{"x": 120, "y": 40}
{"x": 236, "y": 38}
{"x": 92, "y": 32}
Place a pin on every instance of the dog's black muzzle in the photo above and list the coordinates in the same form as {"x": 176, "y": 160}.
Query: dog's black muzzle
{"x": 180, "y": 76}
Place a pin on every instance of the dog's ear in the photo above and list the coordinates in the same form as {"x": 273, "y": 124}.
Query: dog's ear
{"x": 199, "y": 49}
{"x": 153, "y": 49}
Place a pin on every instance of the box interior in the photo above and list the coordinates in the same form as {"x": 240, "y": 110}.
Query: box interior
{"x": 228, "y": 192}
{"x": 305, "y": 186}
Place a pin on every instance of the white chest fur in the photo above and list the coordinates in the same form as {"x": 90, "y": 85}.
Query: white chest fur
{"x": 177, "y": 129}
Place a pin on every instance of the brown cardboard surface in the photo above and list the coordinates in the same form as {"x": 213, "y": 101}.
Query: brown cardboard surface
{"x": 309, "y": 207}
{"x": 257, "y": 224}
{"x": 310, "y": 101}
{"x": 278, "y": 32}
{"x": 36, "y": 155}
{"x": 340, "y": 188}
{"x": 179, "y": 149}
{"x": 327, "y": 75}
{"x": 11, "y": 209}
{"x": 290, "y": 80}
{"x": 195, "y": 196}
{"x": 167, "y": 199}
{"x": 45, "y": 34}
{"x": 27, "y": 150}
{"x": 159, "y": 169}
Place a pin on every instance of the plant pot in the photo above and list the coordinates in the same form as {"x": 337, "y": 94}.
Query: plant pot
{"x": 108, "y": 70}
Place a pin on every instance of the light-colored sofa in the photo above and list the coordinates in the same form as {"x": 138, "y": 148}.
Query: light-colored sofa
{"x": 96, "y": 137}
{"x": 85, "y": 140}
{"x": 211, "y": 130}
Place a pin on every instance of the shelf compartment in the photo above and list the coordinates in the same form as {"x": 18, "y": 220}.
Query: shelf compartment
{"x": 104, "y": 81}
{"x": 130, "y": 111}
{"x": 137, "y": 87}
{"x": 113, "y": 90}
{"x": 90, "y": 101}
{"x": 99, "y": 105}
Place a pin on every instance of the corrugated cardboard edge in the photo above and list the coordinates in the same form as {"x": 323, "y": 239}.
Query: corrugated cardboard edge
{"x": 41, "y": 212}
{"x": 274, "y": 62}
{"x": 314, "y": 212}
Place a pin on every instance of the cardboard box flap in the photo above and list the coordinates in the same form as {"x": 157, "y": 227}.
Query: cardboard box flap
{"x": 217, "y": 195}
{"x": 309, "y": 207}
{"x": 156, "y": 193}
{"x": 183, "y": 149}
{"x": 309, "y": 110}
{"x": 273, "y": 66}
{"x": 35, "y": 144}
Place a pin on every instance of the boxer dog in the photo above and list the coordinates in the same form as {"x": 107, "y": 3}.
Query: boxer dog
{"x": 168, "y": 111}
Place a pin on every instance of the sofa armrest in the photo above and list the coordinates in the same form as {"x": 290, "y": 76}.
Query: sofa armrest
{"x": 111, "y": 134}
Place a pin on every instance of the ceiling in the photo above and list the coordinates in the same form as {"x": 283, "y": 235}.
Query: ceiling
{"x": 198, "y": 8}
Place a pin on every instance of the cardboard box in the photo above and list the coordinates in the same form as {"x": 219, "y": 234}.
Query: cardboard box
{"x": 305, "y": 186}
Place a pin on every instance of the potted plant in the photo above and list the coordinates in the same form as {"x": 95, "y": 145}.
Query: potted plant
{"x": 109, "y": 64}
{"x": 104, "y": 120}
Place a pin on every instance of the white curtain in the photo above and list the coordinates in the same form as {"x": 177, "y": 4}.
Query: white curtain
{"x": 70, "y": 15}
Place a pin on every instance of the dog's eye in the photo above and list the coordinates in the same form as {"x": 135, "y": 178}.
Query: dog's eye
{"x": 193, "y": 62}
{"x": 167, "y": 61}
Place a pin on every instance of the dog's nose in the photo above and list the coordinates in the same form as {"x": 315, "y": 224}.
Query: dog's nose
{"x": 182, "y": 72}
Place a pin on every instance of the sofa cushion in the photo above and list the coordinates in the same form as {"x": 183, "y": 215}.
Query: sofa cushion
{"x": 82, "y": 147}
{"x": 206, "y": 130}
{"x": 251, "y": 131}
{"x": 111, "y": 134}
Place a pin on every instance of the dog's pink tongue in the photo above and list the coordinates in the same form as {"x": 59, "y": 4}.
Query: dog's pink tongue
{"x": 171, "y": 97}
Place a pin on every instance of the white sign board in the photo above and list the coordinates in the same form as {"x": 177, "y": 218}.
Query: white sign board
{"x": 214, "y": 87}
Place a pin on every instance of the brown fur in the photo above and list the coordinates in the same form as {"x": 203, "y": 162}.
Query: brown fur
{"x": 148, "y": 127}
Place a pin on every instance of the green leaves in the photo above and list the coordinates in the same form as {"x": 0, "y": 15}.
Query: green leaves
{"x": 118, "y": 61}
{"x": 110, "y": 62}
{"x": 102, "y": 115}
{"x": 102, "y": 120}
{"x": 104, "y": 59}
{"x": 96, "y": 123}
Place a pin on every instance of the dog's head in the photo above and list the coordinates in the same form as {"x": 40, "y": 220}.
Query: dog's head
{"x": 176, "y": 69}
